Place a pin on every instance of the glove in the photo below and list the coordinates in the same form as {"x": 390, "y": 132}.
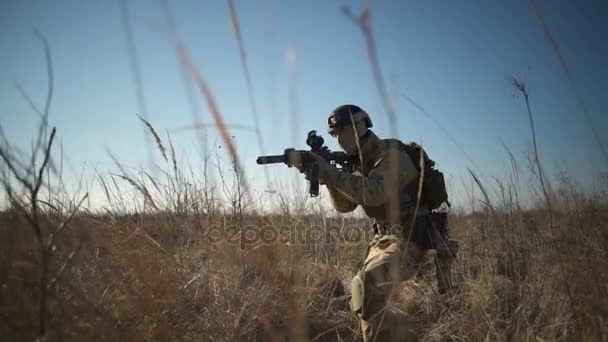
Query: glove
{"x": 307, "y": 176}
{"x": 303, "y": 160}
{"x": 324, "y": 166}
{"x": 300, "y": 160}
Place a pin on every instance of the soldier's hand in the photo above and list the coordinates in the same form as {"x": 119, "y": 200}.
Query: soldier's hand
{"x": 321, "y": 163}
{"x": 300, "y": 160}
{"x": 307, "y": 176}
{"x": 304, "y": 160}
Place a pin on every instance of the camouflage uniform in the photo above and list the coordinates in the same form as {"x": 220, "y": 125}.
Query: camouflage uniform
{"x": 385, "y": 186}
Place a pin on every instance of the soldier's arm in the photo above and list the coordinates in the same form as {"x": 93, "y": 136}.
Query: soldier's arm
{"x": 390, "y": 173}
{"x": 339, "y": 201}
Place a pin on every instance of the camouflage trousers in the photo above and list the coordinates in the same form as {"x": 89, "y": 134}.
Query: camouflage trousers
{"x": 392, "y": 259}
{"x": 388, "y": 261}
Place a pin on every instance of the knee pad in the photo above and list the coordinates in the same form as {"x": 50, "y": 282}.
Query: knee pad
{"x": 448, "y": 249}
{"x": 453, "y": 246}
{"x": 367, "y": 299}
{"x": 357, "y": 299}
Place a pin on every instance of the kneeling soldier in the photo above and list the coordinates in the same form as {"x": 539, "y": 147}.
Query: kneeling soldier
{"x": 386, "y": 183}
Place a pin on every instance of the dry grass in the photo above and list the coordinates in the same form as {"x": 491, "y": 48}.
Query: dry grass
{"x": 155, "y": 272}
{"x": 157, "y": 276}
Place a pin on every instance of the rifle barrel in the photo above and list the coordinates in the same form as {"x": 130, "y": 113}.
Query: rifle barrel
{"x": 279, "y": 158}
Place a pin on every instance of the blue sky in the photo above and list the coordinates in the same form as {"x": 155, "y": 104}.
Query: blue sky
{"x": 452, "y": 57}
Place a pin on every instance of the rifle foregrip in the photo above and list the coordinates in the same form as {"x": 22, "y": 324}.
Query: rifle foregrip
{"x": 313, "y": 176}
{"x": 276, "y": 159}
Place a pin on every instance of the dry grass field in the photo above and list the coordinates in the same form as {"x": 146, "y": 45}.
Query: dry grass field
{"x": 173, "y": 256}
{"x": 187, "y": 268}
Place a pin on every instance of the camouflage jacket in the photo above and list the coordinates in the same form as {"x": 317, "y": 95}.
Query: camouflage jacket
{"x": 382, "y": 184}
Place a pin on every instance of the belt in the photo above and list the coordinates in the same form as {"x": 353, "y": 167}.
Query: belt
{"x": 384, "y": 229}
{"x": 381, "y": 228}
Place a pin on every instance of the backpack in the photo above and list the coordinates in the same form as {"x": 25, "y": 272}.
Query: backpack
{"x": 434, "y": 191}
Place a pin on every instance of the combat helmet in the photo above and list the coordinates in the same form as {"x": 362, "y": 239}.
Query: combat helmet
{"x": 341, "y": 117}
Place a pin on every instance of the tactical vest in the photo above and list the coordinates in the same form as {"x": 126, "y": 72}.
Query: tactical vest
{"x": 433, "y": 193}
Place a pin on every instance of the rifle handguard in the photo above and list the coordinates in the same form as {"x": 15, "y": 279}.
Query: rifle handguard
{"x": 312, "y": 168}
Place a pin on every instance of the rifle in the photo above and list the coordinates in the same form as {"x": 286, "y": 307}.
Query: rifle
{"x": 315, "y": 142}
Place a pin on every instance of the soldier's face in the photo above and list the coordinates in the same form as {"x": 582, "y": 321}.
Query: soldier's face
{"x": 346, "y": 139}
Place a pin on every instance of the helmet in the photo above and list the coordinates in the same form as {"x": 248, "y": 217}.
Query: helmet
{"x": 341, "y": 117}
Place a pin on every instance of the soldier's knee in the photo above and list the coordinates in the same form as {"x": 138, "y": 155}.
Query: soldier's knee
{"x": 449, "y": 250}
{"x": 443, "y": 262}
{"x": 358, "y": 292}
{"x": 447, "y": 255}
{"x": 368, "y": 297}
{"x": 453, "y": 246}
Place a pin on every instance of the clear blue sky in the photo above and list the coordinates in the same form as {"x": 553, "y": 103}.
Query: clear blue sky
{"x": 453, "y": 57}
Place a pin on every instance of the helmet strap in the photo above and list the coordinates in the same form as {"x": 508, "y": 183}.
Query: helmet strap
{"x": 364, "y": 137}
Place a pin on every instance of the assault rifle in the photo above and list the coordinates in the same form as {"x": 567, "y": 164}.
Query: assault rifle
{"x": 315, "y": 142}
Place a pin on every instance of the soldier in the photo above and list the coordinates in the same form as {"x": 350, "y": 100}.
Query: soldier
{"x": 385, "y": 183}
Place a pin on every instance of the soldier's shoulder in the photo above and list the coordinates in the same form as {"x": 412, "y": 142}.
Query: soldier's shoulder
{"x": 396, "y": 145}
{"x": 391, "y": 144}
